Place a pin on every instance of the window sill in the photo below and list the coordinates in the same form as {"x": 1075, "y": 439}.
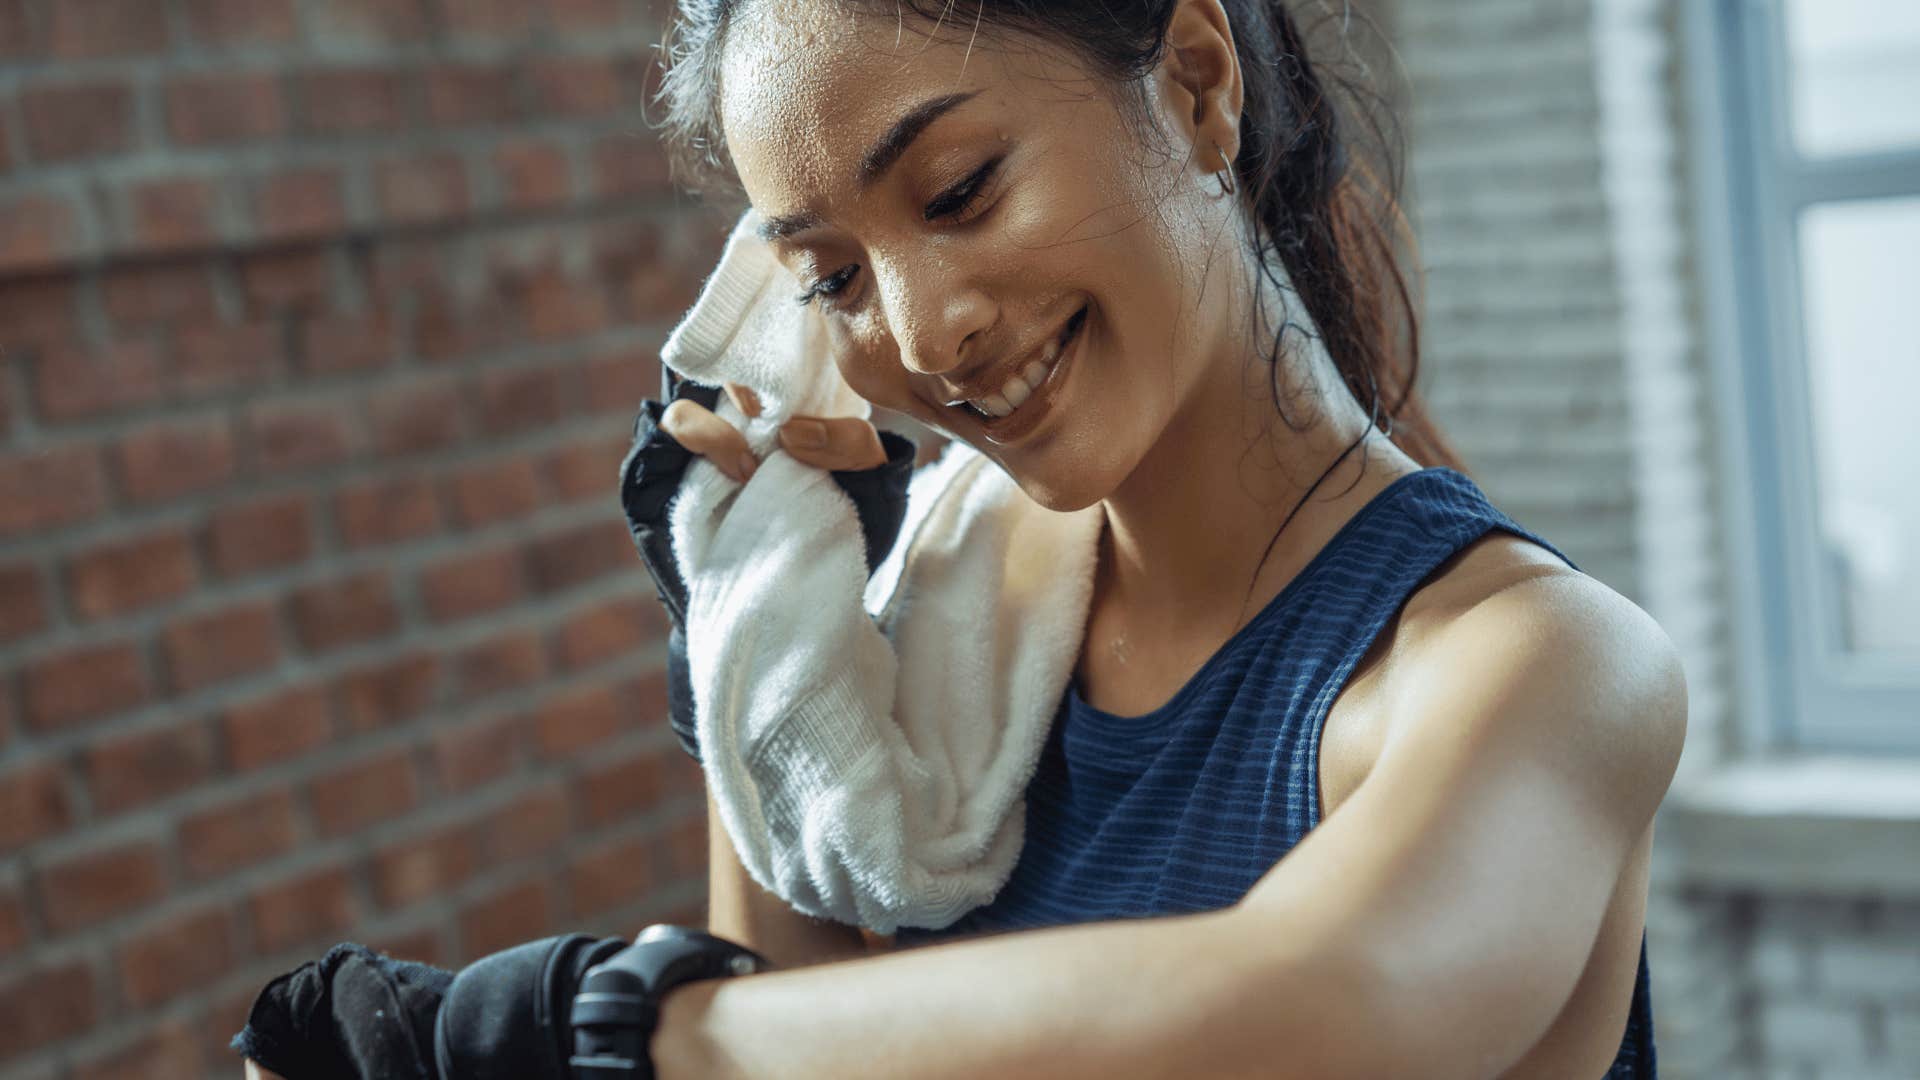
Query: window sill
{"x": 1833, "y": 825}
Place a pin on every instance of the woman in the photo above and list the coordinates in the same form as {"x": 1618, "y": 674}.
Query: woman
{"x": 1307, "y": 640}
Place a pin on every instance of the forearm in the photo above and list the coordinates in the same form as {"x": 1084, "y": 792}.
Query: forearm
{"x": 738, "y": 909}
{"x": 1166, "y": 997}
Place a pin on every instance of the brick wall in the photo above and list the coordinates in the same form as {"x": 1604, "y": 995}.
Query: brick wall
{"x": 322, "y": 326}
{"x": 1550, "y": 179}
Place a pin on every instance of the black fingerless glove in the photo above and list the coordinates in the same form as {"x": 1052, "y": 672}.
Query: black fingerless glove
{"x": 561, "y": 1008}
{"x": 650, "y": 477}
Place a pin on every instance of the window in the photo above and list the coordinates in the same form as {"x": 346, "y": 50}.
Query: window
{"x": 1818, "y": 144}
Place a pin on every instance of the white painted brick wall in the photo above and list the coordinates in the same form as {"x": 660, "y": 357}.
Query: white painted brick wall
{"x": 1548, "y": 185}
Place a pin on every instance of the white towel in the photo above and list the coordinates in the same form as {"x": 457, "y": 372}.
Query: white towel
{"x": 868, "y": 743}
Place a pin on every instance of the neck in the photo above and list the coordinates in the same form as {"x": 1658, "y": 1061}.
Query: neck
{"x": 1190, "y": 540}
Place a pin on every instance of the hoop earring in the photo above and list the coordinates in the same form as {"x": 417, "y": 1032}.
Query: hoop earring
{"x": 1228, "y": 185}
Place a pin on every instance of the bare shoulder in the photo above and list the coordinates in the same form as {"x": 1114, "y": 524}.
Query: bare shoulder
{"x": 1523, "y": 645}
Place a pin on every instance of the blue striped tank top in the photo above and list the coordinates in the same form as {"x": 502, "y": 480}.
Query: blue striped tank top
{"x": 1183, "y": 809}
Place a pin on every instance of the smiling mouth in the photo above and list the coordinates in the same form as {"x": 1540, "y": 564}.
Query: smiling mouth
{"x": 1021, "y": 386}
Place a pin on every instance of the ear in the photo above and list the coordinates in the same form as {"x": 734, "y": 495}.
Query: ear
{"x": 1199, "y": 79}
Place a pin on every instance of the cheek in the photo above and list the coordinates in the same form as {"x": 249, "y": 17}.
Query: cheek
{"x": 869, "y": 363}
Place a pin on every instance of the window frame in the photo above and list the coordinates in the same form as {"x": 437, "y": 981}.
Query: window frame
{"x": 1751, "y": 184}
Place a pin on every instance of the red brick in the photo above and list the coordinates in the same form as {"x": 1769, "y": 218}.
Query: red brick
{"x": 425, "y": 866}
{"x": 580, "y": 554}
{"x": 569, "y": 724}
{"x": 130, "y": 574}
{"x": 71, "y": 384}
{"x": 42, "y": 489}
{"x": 183, "y": 953}
{"x": 203, "y": 650}
{"x": 169, "y": 216}
{"x": 388, "y": 693}
{"x": 330, "y": 346}
{"x": 418, "y": 418}
{"x": 23, "y": 605}
{"x": 470, "y": 94}
{"x": 39, "y": 312}
{"x": 170, "y": 1050}
{"x": 231, "y": 22}
{"x": 300, "y": 202}
{"x": 630, "y": 165}
{"x": 290, "y": 436}
{"x": 533, "y": 174}
{"x": 207, "y": 110}
{"x": 498, "y": 491}
{"x": 422, "y": 945}
{"x": 505, "y": 662}
{"x": 617, "y": 629}
{"x": 408, "y": 263}
{"x": 659, "y": 292}
{"x": 13, "y": 919}
{"x": 585, "y": 14}
{"x": 386, "y": 511}
{"x": 175, "y": 458}
{"x": 470, "y": 584}
{"x": 352, "y": 100}
{"x": 478, "y": 753}
{"x": 509, "y": 19}
{"x": 577, "y": 86}
{"x": 615, "y": 876}
{"x": 505, "y": 918}
{"x": 67, "y": 122}
{"x": 390, "y": 22}
{"x": 38, "y": 232}
{"x": 524, "y": 400}
{"x": 344, "y": 612}
{"x": 685, "y": 843}
{"x": 238, "y": 833}
{"x": 299, "y": 910}
{"x": 212, "y": 359}
{"x": 6, "y": 141}
{"x": 354, "y": 796}
{"x": 295, "y": 278}
{"x": 620, "y": 789}
{"x": 558, "y": 309}
{"x": 422, "y": 189}
{"x": 45, "y": 1004}
{"x": 84, "y": 684}
{"x": 90, "y": 28}
{"x": 90, "y": 888}
{"x": 33, "y": 803}
{"x": 125, "y": 771}
{"x": 276, "y": 728}
{"x": 446, "y": 331}
{"x": 619, "y": 382}
{"x": 18, "y": 38}
{"x": 162, "y": 292}
{"x": 262, "y": 535}
{"x": 585, "y": 470}
{"x": 529, "y": 825}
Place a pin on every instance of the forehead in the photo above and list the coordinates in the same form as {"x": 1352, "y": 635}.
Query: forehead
{"x": 805, "y": 87}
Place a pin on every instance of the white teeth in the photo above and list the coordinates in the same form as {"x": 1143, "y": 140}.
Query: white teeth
{"x": 1016, "y": 391}
{"x": 995, "y": 406}
{"x": 1036, "y": 372}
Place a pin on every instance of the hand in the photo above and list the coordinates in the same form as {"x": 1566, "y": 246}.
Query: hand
{"x": 255, "y": 1072}
{"x": 837, "y": 444}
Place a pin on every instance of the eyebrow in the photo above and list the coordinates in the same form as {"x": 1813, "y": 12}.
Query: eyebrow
{"x": 881, "y": 156}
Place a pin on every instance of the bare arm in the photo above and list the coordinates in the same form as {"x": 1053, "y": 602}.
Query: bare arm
{"x": 738, "y": 909}
{"x": 1432, "y": 927}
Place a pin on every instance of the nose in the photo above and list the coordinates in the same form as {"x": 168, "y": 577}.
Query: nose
{"x": 938, "y": 314}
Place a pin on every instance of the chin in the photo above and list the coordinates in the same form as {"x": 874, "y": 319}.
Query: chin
{"x": 1060, "y": 493}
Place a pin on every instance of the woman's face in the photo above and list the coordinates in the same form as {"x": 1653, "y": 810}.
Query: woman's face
{"x": 997, "y": 250}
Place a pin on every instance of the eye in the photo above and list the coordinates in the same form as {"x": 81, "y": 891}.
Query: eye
{"x": 830, "y": 286}
{"x": 958, "y": 201}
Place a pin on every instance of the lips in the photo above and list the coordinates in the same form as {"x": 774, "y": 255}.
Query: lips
{"x": 1022, "y": 420}
{"x": 1019, "y": 387}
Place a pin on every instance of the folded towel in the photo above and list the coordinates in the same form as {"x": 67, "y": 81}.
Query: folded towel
{"x": 868, "y": 741}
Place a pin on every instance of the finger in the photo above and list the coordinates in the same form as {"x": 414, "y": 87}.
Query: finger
{"x": 703, "y": 433}
{"x": 839, "y": 443}
{"x": 255, "y": 1072}
{"x": 744, "y": 399}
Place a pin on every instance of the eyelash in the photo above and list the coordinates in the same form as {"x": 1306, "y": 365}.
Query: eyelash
{"x": 954, "y": 204}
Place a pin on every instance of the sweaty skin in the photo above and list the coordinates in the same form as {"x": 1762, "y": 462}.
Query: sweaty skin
{"x": 1471, "y": 904}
